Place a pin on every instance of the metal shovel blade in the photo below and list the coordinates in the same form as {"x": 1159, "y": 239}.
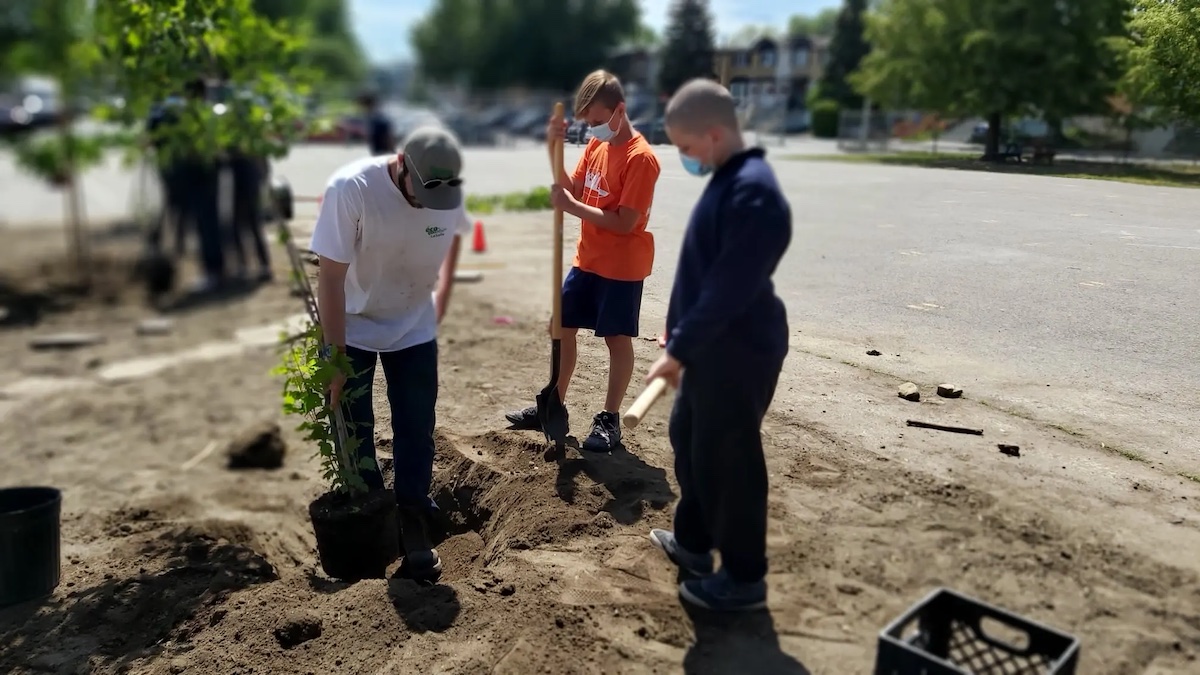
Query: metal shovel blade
{"x": 550, "y": 409}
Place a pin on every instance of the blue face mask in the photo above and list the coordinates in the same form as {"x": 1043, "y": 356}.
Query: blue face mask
{"x": 694, "y": 166}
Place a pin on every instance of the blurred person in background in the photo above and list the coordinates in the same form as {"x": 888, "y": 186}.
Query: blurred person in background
{"x": 248, "y": 172}
{"x": 381, "y": 138}
{"x": 192, "y": 184}
{"x": 166, "y": 114}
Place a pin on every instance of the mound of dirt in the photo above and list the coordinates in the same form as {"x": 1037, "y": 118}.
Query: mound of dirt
{"x": 259, "y": 446}
{"x": 182, "y": 592}
{"x": 53, "y": 285}
{"x": 154, "y": 591}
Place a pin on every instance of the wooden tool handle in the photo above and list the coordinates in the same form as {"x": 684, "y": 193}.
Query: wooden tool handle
{"x": 556, "y": 162}
{"x": 641, "y": 404}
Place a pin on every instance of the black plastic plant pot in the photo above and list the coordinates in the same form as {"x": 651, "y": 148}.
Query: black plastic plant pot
{"x": 357, "y": 537}
{"x": 30, "y": 563}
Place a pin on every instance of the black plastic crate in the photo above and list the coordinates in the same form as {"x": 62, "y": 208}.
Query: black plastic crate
{"x": 948, "y": 633}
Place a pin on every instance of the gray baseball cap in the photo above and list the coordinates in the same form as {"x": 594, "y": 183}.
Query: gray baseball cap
{"x": 434, "y": 161}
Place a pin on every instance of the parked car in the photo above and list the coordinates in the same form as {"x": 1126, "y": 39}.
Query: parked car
{"x": 578, "y": 133}
{"x": 528, "y": 123}
{"x": 32, "y": 104}
{"x": 653, "y": 129}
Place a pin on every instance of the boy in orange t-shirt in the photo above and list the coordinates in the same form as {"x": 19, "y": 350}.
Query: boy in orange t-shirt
{"x": 611, "y": 191}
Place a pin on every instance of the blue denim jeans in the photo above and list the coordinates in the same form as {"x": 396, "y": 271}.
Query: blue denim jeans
{"x": 411, "y": 377}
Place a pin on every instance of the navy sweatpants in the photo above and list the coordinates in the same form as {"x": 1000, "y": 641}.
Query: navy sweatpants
{"x": 412, "y": 387}
{"x": 719, "y": 463}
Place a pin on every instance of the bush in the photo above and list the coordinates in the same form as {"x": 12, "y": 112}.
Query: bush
{"x": 825, "y": 116}
{"x": 537, "y": 199}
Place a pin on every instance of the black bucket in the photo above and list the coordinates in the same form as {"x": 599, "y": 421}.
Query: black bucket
{"x": 29, "y": 543}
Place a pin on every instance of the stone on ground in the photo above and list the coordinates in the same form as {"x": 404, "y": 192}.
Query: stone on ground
{"x": 155, "y": 326}
{"x": 949, "y": 391}
{"x": 909, "y": 392}
{"x": 65, "y": 341}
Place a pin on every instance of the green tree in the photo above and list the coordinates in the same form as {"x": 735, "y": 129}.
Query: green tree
{"x": 688, "y": 45}
{"x": 846, "y": 52}
{"x": 996, "y": 58}
{"x": 332, "y": 48}
{"x": 1164, "y": 60}
{"x": 541, "y": 44}
{"x": 54, "y": 38}
{"x": 154, "y": 50}
{"x": 821, "y": 24}
{"x": 647, "y": 37}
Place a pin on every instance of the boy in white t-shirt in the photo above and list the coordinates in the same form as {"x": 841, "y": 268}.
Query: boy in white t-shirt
{"x": 388, "y": 238}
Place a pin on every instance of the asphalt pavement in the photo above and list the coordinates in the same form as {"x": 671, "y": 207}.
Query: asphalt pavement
{"x": 1071, "y": 301}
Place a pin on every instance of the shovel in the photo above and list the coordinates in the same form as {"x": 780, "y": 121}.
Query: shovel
{"x": 550, "y": 409}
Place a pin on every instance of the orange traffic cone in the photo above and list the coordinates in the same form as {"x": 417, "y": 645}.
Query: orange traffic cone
{"x": 478, "y": 243}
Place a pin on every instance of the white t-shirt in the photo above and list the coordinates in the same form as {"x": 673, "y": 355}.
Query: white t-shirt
{"x": 395, "y": 253}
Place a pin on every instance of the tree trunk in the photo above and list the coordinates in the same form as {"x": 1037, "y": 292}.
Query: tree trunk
{"x": 991, "y": 150}
{"x": 76, "y": 240}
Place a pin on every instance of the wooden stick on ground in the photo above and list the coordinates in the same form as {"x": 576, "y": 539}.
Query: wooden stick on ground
{"x": 200, "y": 456}
{"x": 941, "y": 427}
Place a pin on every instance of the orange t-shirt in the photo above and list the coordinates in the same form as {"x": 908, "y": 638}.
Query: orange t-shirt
{"x": 614, "y": 176}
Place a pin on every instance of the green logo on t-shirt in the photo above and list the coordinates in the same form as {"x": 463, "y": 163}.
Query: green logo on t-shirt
{"x": 435, "y": 231}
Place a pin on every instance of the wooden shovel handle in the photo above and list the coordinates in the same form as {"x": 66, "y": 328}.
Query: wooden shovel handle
{"x": 641, "y": 404}
{"x": 556, "y": 162}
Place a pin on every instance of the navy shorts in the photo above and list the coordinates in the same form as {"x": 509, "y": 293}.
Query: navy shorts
{"x": 607, "y": 306}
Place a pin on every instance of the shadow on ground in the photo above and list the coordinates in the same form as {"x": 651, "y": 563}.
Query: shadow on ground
{"x": 736, "y": 644}
{"x": 632, "y": 483}
{"x": 120, "y": 620}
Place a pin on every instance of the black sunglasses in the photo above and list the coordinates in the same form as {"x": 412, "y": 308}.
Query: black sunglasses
{"x": 435, "y": 182}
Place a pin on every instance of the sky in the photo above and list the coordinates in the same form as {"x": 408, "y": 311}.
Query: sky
{"x": 383, "y": 25}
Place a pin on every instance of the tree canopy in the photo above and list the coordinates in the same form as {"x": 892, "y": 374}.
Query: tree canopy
{"x": 995, "y": 57}
{"x": 846, "y": 52}
{"x": 822, "y": 23}
{"x": 332, "y": 48}
{"x": 151, "y": 52}
{"x": 1164, "y": 61}
{"x": 688, "y": 45}
{"x": 541, "y": 44}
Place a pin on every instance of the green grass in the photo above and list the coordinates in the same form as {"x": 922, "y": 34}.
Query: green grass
{"x": 1141, "y": 174}
{"x": 537, "y": 199}
{"x": 1195, "y": 478}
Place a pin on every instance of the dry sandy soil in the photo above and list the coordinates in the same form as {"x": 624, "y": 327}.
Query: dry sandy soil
{"x": 548, "y": 569}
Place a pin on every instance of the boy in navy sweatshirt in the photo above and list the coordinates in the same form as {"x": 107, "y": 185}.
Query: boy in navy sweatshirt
{"x": 727, "y": 336}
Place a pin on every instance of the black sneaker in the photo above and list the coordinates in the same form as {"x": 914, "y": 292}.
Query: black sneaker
{"x": 606, "y": 433}
{"x": 525, "y": 419}
{"x": 421, "y": 561}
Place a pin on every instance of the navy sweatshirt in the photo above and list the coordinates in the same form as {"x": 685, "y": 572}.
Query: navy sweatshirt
{"x": 723, "y": 301}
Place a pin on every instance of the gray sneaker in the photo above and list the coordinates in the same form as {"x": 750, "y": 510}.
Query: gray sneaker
{"x": 696, "y": 564}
